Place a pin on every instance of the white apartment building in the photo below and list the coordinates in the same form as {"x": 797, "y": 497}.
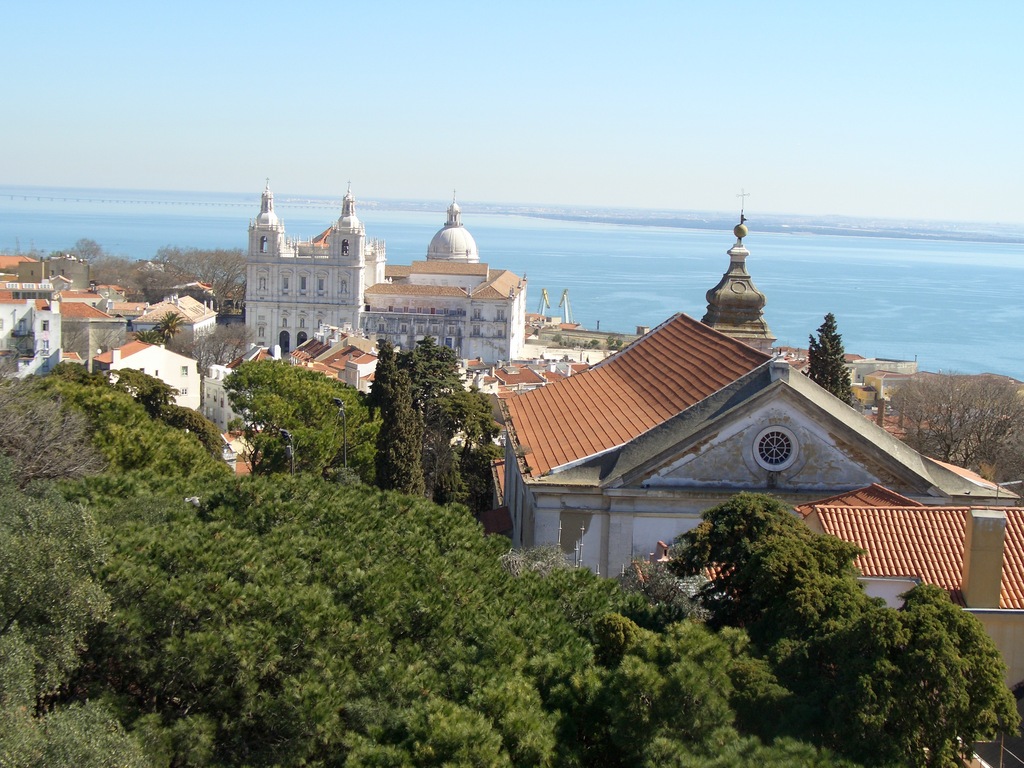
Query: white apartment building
{"x": 173, "y": 369}
{"x": 30, "y": 338}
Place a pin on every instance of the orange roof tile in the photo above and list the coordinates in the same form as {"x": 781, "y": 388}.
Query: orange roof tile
{"x": 924, "y": 542}
{"x": 511, "y": 376}
{"x": 80, "y": 296}
{"x": 127, "y": 350}
{"x": 673, "y": 367}
{"x": 397, "y": 270}
{"x": 874, "y": 495}
{"x": 77, "y": 310}
{"x": 12, "y": 262}
{"x": 500, "y": 285}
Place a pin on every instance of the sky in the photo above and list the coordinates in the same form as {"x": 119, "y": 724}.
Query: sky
{"x": 900, "y": 110}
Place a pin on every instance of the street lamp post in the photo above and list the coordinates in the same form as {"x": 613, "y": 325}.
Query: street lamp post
{"x": 344, "y": 429}
{"x": 289, "y": 450}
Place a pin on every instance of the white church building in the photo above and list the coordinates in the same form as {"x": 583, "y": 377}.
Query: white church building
{"x": 340, "y": 278}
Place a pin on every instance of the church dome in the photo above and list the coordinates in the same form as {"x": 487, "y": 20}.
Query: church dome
{"x": 453, "y": 242}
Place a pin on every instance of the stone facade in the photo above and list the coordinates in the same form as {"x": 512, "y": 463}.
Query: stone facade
{"x": 339, "y": 279}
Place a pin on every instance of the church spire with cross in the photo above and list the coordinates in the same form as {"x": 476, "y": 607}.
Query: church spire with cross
{"x": 735, "y": 306}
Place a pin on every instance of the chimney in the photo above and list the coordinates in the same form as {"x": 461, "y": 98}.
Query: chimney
{"x": 880, "y": 419}
{"x": 983, "y": 557}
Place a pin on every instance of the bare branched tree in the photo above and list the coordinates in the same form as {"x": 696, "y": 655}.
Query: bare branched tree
{"x": 971, "y": 421}
{"x": 219, "y": 347}
{"x": 44, "y": 438}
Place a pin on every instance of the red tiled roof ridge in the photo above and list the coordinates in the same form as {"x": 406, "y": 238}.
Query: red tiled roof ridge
{"x": 873, "y": 495}
{"x": 651, "y": 380}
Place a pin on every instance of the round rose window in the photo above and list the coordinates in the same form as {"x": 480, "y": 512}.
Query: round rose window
{"x": 775, "y": 448}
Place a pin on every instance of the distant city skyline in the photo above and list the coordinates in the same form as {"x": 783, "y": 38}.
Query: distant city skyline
{"x": 904, "y": 111}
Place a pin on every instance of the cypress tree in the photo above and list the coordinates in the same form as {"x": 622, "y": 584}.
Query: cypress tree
{"x": 400, "y": 440}
{"x": 827, "y": 360}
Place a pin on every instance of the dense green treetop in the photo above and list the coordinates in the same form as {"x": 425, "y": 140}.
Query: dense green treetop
{"x": 275, "y": 396}
{"x": 831, "y": 665}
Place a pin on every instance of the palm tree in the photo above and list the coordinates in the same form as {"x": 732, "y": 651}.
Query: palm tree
{"x": 169, "y": 326}
{"x": 151, "y": 336}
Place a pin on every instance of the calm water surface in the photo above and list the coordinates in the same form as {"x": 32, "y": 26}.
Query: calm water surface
{"x": 953, "y": 306}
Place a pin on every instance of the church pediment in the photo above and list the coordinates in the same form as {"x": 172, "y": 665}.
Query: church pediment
{"x": 772, "y": 430}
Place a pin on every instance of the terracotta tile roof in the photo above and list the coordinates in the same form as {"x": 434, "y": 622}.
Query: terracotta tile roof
{"x": 77, "y": 310}
{"x": 127, "y": 350}
{"x": 310, "y": 350}
{"x": 186, "y": 307}
{"x": 408, "y": 289}
{"x": 42, "y": 304}
{"x": 70, "y": 296}
{"x": 397, "y": 270}
{"x": 500, "y": 285}
{"x": 262, "y": 354}
{"x": 12, "y": 262}
{"x": 512, "y": 376}
{"x": 673, "y": 367}
{"x": 128, "y": 307}
{"x": 437, "y": 267}
{"x": 874, "y": 495}
{"x": 323, "y": 239}
{"x": 71, "y": 357}
{"x": 924, "y": 542}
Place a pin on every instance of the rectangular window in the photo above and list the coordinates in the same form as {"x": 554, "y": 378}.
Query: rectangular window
{"x": 476, "y": 314}
{"x": 183, "y": 391}
{"x": 184, "y": 370}
{"x": 302, "y": 283}
{"x": 46, "y": 325}
{"x": 320, "y": 285}
{"x": 501, "y": 314}
{"x": 284, "y": 284}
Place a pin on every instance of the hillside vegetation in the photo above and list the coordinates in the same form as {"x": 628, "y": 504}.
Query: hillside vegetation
{"x": 292, "y": 620}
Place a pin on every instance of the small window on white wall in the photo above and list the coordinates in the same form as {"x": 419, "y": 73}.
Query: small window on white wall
{"x": 263, "y": 244}
{"x": 184, "y": 370}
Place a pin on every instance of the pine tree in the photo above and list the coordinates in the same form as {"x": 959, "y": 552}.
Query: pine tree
{"x": 400, "y": 440}
{"x": 827, "y": 360}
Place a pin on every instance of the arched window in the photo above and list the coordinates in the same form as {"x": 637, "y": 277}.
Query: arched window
{"x": 344, "y": 247}
{"x": 284, "y": 340}
{"x": 302, "y": 322}
{"x": 263, "y": 244}
{"x": 301, "y": 338}
{"x": 263, "y": 283}
{"x": 261, "y": 331}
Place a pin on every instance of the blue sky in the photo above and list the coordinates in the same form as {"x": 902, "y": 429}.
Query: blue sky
{"x": 887, "y": 109}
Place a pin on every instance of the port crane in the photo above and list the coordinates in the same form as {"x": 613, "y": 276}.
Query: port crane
{"x": 567, "y": 315}
{"x": 545, "y": 302}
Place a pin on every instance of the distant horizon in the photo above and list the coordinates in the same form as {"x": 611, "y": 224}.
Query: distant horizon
{"x": 962, "y": 230}
{"x": 289, "y": 198}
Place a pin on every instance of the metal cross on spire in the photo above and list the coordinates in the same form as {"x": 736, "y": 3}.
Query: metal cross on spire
{"x": 742, "y": 196}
